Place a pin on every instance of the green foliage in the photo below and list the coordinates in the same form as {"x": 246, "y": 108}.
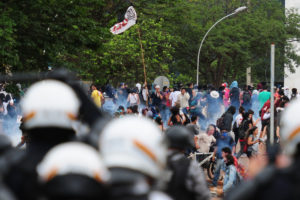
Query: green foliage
{"x": 13, "y": 89}
{"x": 42, "y": 32}
{"x": 123, "y": 53}
{"x": 75, "y": 34}
{"x": 8, "y": 52}
{"x": 236, "y": 43}
{"x": 180, "y": 78}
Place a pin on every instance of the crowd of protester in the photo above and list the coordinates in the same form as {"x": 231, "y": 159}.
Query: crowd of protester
{"x": 9, "y": 110}
{"x": 228, "y": 122}
{"x": 221, "y": 119}
{"x": 177, "y": 104}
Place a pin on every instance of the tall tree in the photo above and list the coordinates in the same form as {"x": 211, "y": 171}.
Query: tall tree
{"x": 75, "y": 34}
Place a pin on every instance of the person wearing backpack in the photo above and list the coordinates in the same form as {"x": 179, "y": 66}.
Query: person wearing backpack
{"x": 246, "y": 98}
{"x": 224, "y": 123}
{"x": 223, "y": 140}
{"x": 272, "y": 181}
{"x": 246, "y": 125}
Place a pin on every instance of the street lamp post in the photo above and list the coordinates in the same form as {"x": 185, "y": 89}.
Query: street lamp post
{"x": 240, "y": 9}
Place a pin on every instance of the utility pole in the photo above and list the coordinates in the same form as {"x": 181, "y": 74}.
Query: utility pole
{"x": 272, "y": 94}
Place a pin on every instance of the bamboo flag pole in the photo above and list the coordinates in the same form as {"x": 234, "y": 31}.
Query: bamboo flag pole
{"x": 130, "y": 20}
{"x": 143, "y": 61}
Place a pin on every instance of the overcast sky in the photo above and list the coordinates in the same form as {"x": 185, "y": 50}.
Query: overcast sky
{"x": 292, "y": 3}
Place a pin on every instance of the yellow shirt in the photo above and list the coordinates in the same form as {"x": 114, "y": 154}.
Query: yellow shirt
{"x": 96, "y": 96}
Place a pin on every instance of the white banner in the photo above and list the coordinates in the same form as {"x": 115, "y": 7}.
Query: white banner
{"x": 129, "y": 21}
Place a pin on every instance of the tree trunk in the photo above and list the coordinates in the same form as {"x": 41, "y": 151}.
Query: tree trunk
{"x": 220, "y": 72}
{"x": 234, "y": 73}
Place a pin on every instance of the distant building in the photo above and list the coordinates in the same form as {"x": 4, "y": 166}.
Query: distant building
{"x": 292, "y": 80}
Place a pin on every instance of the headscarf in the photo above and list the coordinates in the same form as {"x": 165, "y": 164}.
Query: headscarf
{"x": 234, "y": 84}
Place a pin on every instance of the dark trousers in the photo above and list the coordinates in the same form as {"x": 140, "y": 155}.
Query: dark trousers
{"x": 242, "y": 144}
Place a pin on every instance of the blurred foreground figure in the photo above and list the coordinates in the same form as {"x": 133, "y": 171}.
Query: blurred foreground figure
{"x": 278, "y": 183}
{"x": 49, "y": 110}
{"x": 186, "y": 178}
{"x": 5, "y": 156}
{"x": 135, "y": 152}
{"x": 73, "y": 171}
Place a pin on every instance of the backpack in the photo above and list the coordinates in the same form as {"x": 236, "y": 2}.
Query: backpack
{"x": 246, "y": 96}
{"x": 220, "y": 122}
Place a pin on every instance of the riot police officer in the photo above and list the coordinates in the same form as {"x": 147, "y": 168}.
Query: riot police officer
{"x": 135, "y": 151}
{"x": 49, "y": 110}
{"x": 186, "y": 178}
{"x": 71, "y": 171}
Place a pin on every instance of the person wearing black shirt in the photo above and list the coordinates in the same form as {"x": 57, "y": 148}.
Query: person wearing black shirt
{"x": 157, "y": 97}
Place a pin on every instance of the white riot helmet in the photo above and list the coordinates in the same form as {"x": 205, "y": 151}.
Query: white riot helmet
{"x": 73, "y": 171}
{"x": 136, "y": 144}
{"x": 291, "y": 127}
{"x": 72, "y": 158}
{"x": 49, "y": 103}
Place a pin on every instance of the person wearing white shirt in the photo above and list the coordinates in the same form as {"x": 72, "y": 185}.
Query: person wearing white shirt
{"x": 183, "y": 99}
{"x": 205, "y": 140}
{"x": 173, "y": 97}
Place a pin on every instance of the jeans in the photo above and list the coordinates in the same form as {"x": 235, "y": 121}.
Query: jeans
{"x": 218, "y": 168}
{"x": 165, "y": 114}
{"x": 185, "y": 111}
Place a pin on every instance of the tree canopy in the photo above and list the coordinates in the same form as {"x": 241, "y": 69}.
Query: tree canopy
{"x": 35, "y": 34}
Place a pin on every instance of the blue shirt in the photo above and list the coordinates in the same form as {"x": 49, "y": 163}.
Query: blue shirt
{"x": 224, "y": 140}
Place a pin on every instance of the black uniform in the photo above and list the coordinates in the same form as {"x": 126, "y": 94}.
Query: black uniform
{"x": 186, "y": 179}
{"x": 22, "y": 176}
